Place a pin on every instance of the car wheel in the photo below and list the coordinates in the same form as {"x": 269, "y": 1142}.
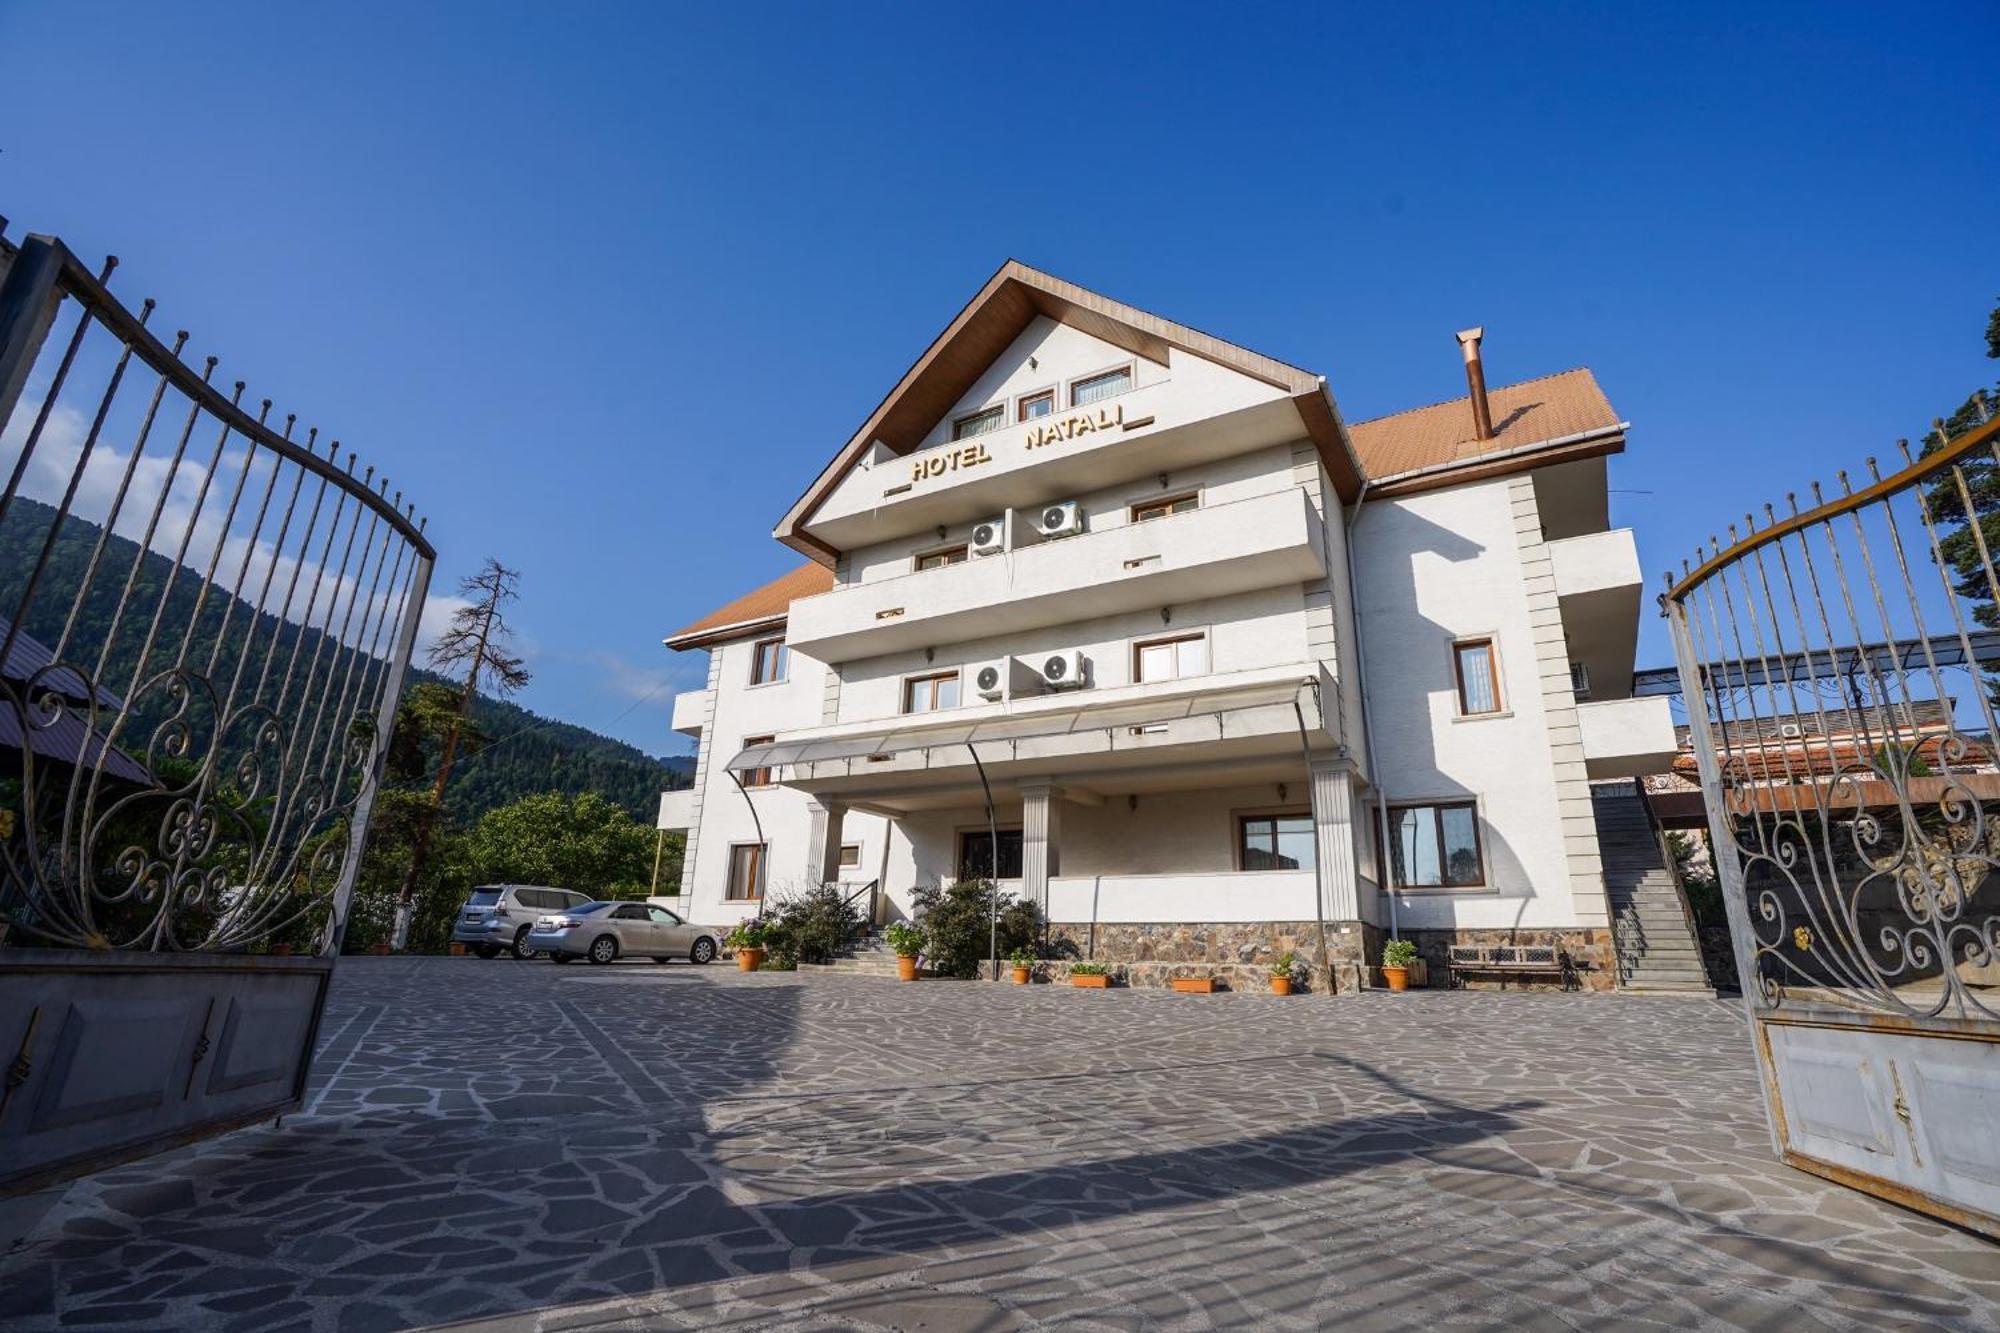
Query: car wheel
{"x": 703, "y": 951}
{"x": 486, "y": 950}
{"x": 521, "y": 949}
{"x": 603, "y": 949}
{"x": 555, "y": 957}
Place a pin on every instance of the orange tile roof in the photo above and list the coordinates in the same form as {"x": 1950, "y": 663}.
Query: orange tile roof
{"x": 1527, "y": 413}
{"x": 757, "y": 607}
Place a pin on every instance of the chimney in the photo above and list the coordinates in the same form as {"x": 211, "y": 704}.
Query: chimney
{"x": 1475, "y": 380}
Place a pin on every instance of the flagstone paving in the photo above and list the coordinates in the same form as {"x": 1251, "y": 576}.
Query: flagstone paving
{"x": 529, "y": 1146}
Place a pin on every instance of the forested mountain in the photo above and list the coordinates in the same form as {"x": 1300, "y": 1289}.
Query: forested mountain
{"x": 525, "y": 754}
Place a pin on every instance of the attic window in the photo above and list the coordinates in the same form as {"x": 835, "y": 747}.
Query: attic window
{"x": 964, "y": 428}
{"x": 1096, "y": 388}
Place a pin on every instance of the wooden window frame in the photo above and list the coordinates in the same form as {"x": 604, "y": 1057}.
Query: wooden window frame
{"x": 756, "y": 778}
{"x": 1243, "y": 817}
{"x": 1155, "y": 640}
{"x": 761, "y": 853}
{"x": 1164, "y": 505}
{"x": 782, "y": 661}
{"x": 963, "y": 551}
{"x": 1131, "y": 382}
{"x": 1386, "y": 862}
{"x": 1491, "y": 644}
{"x": 925, "y": 678}
{"x": 960, "y": 834}
{"x": 1021, "y": 404}
{"x": 958, "y": 436}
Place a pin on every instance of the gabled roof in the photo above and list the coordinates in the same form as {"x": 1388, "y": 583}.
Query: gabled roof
{"x": 980, "y": 332}
{"x": 761, "y": 609}
{"x": 1538, "y": 411}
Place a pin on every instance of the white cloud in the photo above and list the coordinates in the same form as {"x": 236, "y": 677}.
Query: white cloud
{"x": 628, "y": 680}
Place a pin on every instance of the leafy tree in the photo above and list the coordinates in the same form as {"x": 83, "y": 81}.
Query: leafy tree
{"x": 1959, "y": 544}
{"x": 584, "y": 843}
{"x": 477, "y": 641}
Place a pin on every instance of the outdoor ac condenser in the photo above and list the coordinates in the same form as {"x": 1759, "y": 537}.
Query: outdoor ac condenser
{"x": 1060, "y": 520}
{"x": 1004, "y": 679}
{"x": 1065, "y": 671}
{"x": 990, "y": 537}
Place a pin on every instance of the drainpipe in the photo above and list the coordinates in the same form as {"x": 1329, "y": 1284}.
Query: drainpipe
{"x": 1382, "y": 875}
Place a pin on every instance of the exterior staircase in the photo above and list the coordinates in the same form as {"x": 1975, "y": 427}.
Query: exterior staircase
{"x": 868, "y": 956}
{"x": 1655, "y": 942}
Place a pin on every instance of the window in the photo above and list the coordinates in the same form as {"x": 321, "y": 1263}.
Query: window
{"x": 1176, "y": 504}
{"x": 757, "y": 777}
{"x": 769, "y": 662}
{"x": 975, "y": 854}
{"x": 927, "y": 694}
{"x": 629, "y": 912}
{"x": 1036, "y": 405}
{"x": 1170, "y": 659}
{"x": 850, "y": 855}
{"x": 978, "y": 423}
{"x": 1435, "y": 846}
{"x": 1276, "y": 842}
{"x": 1478, "y": 682}
{"x": 746, "y": 872}
{"x": 950, "y": 555}
{"x": 662, "y": 917}
{"x": 1096, "y": 388}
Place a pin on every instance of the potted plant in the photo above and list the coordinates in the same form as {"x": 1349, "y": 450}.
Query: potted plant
{"x": 1023, "y": 961}
{"x": 1283, "y": 968}
{"x": 1090, "y": 976}
{"x": 908, "y": 942}
{"x": 1194, "y": 985}
{"x": 748, "y": 941}
{"x": 1397, "y": 955}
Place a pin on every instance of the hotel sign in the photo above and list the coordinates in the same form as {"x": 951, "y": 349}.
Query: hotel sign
{"x": 935, "y": 463}
{"x": 1077, "y": 423}
{"x": 951, "y": 460}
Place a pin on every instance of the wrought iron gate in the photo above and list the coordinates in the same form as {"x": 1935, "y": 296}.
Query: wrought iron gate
{"x": 1846, "y": 741}
{"x": 204, "y": 625}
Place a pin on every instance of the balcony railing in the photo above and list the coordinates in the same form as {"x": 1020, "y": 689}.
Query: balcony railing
{"x": 1235, "y": 547}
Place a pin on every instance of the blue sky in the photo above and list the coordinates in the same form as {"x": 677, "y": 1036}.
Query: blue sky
{"x": 603, "y": 286}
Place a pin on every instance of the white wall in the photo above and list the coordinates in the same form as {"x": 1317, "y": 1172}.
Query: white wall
{"x": 1436, "y": 567}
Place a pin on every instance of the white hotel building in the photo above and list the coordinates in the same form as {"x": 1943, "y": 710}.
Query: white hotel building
{"x": 1203, "y": 641}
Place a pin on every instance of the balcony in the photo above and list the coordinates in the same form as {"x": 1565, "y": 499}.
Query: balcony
{"x": 1244, "y": 545}
{"x": 1627, "y": 738}
{"x": 691, "y": 712}
{"x": 677, "y": 809}
{"x": 1599, "y": 588}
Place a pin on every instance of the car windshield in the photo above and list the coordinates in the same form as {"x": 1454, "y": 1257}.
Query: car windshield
{"x": 484, "y": 897}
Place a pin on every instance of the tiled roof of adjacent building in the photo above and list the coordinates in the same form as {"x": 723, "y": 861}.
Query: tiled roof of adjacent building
{"x": 1531, "y": 412}
{"x": 757, "y": 607}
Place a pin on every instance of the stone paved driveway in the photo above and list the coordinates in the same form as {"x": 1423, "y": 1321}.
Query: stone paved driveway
{"x": 666, "y": 1147}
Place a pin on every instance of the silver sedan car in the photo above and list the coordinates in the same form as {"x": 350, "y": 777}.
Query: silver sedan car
{"x": 602, "y": 932}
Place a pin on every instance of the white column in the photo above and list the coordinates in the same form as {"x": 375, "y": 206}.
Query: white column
{"x": 1337, "y": 815}
{"x": 823, "y": 840}
{"x": 1041, "y": 838}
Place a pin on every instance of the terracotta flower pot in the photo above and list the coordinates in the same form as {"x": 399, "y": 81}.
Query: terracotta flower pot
{"x": 1281, "y": 985}
{"x": 906, "y": 967}
{"x": 282, "y": 950}
{"x": 1397, "y": 977}
{"x": 1195, "y": 985}
{"x": 749, "y": 960}
{"x": 380, "y": 949}
{"x": 457, "y": 949}
{"x": 1099, "y": 982}
{"x": 1020, "y": 976}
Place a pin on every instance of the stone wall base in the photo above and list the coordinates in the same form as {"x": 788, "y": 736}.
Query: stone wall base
{"x": 1240, "y": 953}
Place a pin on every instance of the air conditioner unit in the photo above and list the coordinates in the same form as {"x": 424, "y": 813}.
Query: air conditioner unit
{"x": 1004, "y": 679}
{"x": 1579, "y": 680}
{"x": 1065, "y": 671}
{"x": 1791, "y": 731}
{"x": 990, "y": 537}
{"x": 1059, "y": 520}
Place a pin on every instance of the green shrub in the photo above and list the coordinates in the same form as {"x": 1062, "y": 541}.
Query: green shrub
{"x": 1089, "y": 969}
{"x": 1285, "y": 964}
{"x": 748, "y": 934}
{"x": 958, "y": 925}
{"x": 905, "y": 939}
{"x": 1022, "y": 957}
{"x": 1398, "y": 953}
{"x": 809, "y": 925}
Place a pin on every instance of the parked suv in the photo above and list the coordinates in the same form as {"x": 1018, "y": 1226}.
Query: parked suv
{"x": 499, "y": 916}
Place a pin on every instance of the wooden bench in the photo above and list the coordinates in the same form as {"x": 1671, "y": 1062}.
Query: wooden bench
{"x": 1509, "y": 960}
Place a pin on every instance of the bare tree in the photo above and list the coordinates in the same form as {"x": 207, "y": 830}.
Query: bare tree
{"x": 478, "y": 642}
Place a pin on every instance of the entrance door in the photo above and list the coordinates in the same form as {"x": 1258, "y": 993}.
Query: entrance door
{"x": 1841, "y": 698}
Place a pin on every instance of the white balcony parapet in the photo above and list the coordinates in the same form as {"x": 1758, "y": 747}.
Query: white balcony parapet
{"x": 1240, "y": 546}
{"x": 691, "y": 712}
{"x": 677, "y": 809}
{"x": 1627, "y": 738}
{"x": 1599, "y": 588}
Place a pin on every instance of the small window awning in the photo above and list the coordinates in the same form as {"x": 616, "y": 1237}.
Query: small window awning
{"x": 930, "y": 731}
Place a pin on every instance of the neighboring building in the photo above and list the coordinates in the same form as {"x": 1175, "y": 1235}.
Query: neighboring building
{"x": 1105, "y": 566}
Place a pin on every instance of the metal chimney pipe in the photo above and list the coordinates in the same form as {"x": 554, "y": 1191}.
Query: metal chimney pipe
{"x": 1475, "y": 380}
